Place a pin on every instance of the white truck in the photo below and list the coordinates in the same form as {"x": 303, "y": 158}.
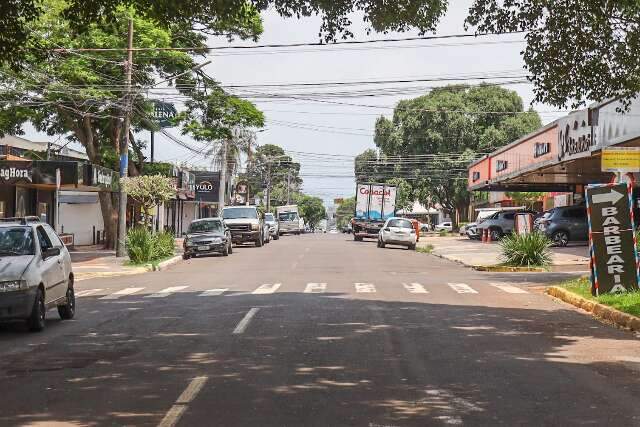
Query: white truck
{"x": 375, "y": 203}
{"x": 289, "y": 219}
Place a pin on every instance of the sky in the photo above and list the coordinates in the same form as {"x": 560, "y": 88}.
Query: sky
{"x": 343, "y": 131}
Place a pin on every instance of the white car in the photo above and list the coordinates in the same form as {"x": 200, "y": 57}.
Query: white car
{"x": 35, "y": 272}
{"x": 397, "y": 231}
{"x": 444, "y": 226}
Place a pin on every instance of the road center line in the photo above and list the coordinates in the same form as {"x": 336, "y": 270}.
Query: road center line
{"x": 175, "y": 412}
{"x": 242, "y": 325}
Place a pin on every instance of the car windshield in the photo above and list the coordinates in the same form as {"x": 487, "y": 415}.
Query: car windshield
{"x": 268, "y": 217}
{"x": 288, "y": 216}
{"x": 400, "y": 223}
{"x": 235, "y": 213}
{"x": 16, "y": 241}
{"x": 206, "y": 226}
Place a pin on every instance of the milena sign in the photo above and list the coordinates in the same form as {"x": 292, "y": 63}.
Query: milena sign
{"x": 611, "y": 230}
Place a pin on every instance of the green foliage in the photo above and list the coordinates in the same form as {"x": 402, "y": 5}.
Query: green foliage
{"x": 448, "y": 123}
{"x": 524, "y": 198}
{"x": 345, "y": 211}
{"x": 149, "y": 191}
{"x": 577, "y": 51}
{"x": 626, "y": 302}
{"x": 163, "y": 245}
{"x": 139, "y": 245}
{"x": 311, "y": 209}
{"x": 158, "y": 168}
{"x": 427, "y": 249}
{"x": 526, "y": 250}
{"x": 270, "y": 159}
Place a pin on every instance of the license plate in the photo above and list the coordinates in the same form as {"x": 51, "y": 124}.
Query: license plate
{"x": 203, "y": 248}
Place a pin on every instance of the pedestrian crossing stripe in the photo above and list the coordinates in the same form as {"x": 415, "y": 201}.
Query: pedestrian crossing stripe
{"x": 365, "y": 287}
{"x": 508, "y": 288}
{"x": 167, "y": 291}
{"x": 87, "y": 292}
{"x": 315, "y": 288}
{"x": 122, "y": 293}
{"x": 213, "y": 292}
{"x": 267, "y": 288}
{"x": 462, "y": 288}
{"x": 415, "y": 288}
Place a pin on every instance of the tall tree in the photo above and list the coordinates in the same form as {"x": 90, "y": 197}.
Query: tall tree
{"x": 81, "y": 95}
{"x": 311, "y": 209}
{"x": 271, "y": 160}
{"x": 577, "y": 50}
{"x": 345, "y": 211}
{"x": 449, "y": 127}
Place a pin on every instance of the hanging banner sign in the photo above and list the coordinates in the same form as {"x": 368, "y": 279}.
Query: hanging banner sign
{"x": 621, "y": 159}
{"x": 611, "y": 239}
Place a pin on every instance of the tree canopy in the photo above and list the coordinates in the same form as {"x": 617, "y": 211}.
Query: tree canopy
{"x": 311, "y": 209}
{"x": 282, "y": 167}
{"x": 577, "y": 50}
{"x": 231, "y": 18}
{"x": 431, "y": 139}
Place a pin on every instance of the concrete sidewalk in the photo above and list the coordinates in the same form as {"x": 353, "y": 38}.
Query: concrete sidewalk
{"x": 475, "y": 253}
{"x": 93, "y": 261}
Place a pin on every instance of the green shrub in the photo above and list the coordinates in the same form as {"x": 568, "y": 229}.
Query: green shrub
{"x": 443, "y": 233}
{"x": 163, "y": 245}
{"x": 526, "y": 250}
{"x": 144, "y": 246}
{"x": 140, "y": 245}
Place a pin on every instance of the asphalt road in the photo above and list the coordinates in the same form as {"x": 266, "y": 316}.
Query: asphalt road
{"x": 318, "y": 330}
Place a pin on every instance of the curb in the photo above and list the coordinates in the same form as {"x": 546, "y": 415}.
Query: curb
{"x": 166, "y": 264}
{"x": 598, "y": 310}
{"x": 506, "y": 269}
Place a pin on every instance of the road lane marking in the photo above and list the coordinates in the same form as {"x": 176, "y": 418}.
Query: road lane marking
{"x": 175, "y": 413}
{"x": 462, "y": 288}
{"x": 267, "y": 288}
{"x": 508, "y": 288}
{"x": 167, "y": 291}
{"x": 415, "y": 288}
{"x": 242, "y": 325}
{"x": 366, "y": 288}
{"x": 87, "y": 292}
{"x": 213, "y": 292}
{"x": 122, "y": 293}
{"x": 315, "y": 288}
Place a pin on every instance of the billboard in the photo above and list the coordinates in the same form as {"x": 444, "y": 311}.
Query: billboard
{"x": 362, "y": 201}
{"x": 375, "y": 201}
{"x": 389, "y": 206}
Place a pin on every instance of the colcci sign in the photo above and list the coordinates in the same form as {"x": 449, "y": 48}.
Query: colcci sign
{"x": 365, "y": 190}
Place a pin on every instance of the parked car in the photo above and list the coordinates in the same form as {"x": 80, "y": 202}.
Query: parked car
{"x": 245, "y": 224}
{"x": 35, "y": 272}
{"x": 207, "y": 236}
{"x": 471, "y": 230}
{"x": 500, "y": 223}
{"x": 564, "y": 224}
{"x": 397, "y": 231}
{"x": 444, "y": 226}
{"x": 274, "y": 227}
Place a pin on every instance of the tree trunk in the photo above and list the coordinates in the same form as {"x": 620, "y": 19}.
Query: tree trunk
{"x": 109, "y": 218}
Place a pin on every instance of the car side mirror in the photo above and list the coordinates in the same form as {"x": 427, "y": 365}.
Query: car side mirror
{"x": 47, "y": 253}
{"x": 387, "y": 229}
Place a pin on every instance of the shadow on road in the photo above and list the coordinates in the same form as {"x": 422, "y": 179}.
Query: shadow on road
{"x": 318, "y": 360}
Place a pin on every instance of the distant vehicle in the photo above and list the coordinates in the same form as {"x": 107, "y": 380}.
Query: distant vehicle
{"x": 444, "y": 226}
{"x": 484, "y": 213}
{"x": 564, "y": 224}
{"x": 274, "y": 227}
{"x": 289, "y": 219}
{"x": 35, "y": 272}
{"x": 397, "y": 231}
{"x": 207, "y": 236}
{"x": 424, "y": 228}
{"x": 375, "y": 203}
{"x": 501, "y": 223}
{"x": 333, "y": 231}
{"x": 245, "y": 224}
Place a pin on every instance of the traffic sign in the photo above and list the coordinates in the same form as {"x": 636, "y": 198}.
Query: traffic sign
{"x": 621, "y": 159}
{"x": 611, "y": 239}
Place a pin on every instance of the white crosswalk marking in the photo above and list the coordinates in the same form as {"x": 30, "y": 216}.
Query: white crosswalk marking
{"x": 87, "y": 292}
{"x": 315, "y": 288}
{"x": 365, "y": 287}
{"x": 167, "y": 291}
{"x": 267, "y": 288}
{"x": 415, "y": 288}
{"x": 122, "y": 293}
{"x": 509, "y": 288}
{"x": 213, "y": 292}
{"x": 462, "y": 288}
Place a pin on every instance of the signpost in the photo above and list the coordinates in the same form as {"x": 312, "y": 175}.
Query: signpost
{"x": 614, "y": 266}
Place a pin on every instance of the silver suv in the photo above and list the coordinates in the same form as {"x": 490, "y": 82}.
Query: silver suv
{"x": 500, "y": 223}
{"x": 35, "y": 272}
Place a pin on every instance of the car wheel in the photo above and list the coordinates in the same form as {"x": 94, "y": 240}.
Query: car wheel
{"x": 38, "y": 312}
{"x": 276, "y": 236}
{"x": 560, "y": 238}
{"x": 230, "y": 247}
{"x": 412, "y": 247}
{"x": 185, "y": 256}
{"x": 259, "y": 242}
{"x": 225, "y": 251}
{"x": 68, "y": 310}
{"x": 496, "y": 234}
{"x": 382, "y": 244}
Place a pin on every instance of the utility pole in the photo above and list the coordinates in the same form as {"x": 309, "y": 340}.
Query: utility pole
{"x": 124, "y": 148}
{"x": 223, "y": 178}
{"x": 268, "y": 185}
{"x": 288, "y": 186}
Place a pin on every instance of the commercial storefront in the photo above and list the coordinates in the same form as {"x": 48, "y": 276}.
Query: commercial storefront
{"x": 38, "y": 188}
{"x": 562, "y": 157}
